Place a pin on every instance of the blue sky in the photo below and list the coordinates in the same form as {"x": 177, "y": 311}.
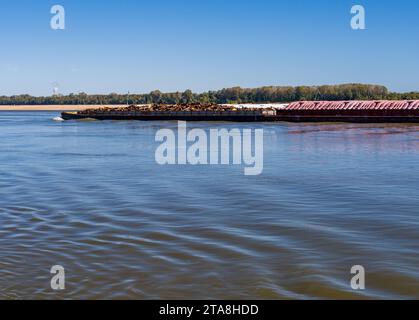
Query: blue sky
{"x": 139, "y": 46}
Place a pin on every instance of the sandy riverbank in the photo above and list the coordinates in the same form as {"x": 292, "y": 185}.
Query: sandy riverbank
{"x": 51, "y": 107}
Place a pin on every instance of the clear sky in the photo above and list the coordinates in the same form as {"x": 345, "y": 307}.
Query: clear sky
{"x": 171, "y": 45}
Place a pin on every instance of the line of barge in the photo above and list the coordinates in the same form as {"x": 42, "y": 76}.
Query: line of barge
{"x": 302, "y": 111}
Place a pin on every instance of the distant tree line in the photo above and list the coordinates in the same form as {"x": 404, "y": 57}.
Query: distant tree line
{"x": 270, "y": 94}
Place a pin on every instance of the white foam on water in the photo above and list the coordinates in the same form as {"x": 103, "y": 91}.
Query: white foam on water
{"x": 58, "y": 119}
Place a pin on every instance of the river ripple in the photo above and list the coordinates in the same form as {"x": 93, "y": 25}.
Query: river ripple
{"x": 89, "y": 196}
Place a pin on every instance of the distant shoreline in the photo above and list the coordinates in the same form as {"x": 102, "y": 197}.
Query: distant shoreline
{"x": 235, "y": 95}
{"x": 52, "y": 107}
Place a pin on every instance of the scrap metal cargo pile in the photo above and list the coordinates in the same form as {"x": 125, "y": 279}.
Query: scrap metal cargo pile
{"x": 171, "y": 109}
{"x": 301, "y": 111}
{"x": 187, "y": 112}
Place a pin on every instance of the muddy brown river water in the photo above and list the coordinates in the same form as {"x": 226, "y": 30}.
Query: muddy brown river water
{"x": 90, "y": 196}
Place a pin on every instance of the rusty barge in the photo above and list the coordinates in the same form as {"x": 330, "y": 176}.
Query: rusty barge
{"x": 382, "y": 111}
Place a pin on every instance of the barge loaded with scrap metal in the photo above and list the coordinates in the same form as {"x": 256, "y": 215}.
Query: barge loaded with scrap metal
{"x": 382, "y": 111}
